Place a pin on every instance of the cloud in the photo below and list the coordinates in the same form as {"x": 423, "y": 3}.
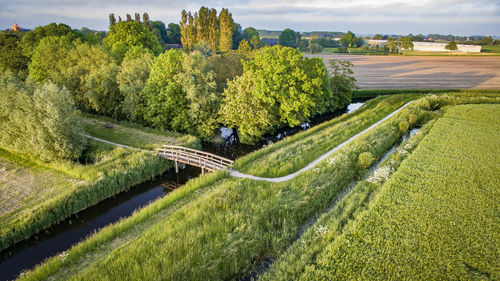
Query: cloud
{"x": 459, "y": 17}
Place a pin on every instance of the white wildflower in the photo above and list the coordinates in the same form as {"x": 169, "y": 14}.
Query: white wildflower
{"x": 63, "y": 255}
{"x": 321, "y": 230}
{"x": 381, "y": 174}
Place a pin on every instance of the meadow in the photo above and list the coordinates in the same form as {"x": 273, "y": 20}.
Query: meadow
{"x": 434, "y": 218}
{"x": 38, "y": 194}
{"x": 229, "y": 226}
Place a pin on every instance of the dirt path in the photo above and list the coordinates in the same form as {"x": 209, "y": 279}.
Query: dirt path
{"x": 423, "y": 72}
{"x": 319, "y": 159}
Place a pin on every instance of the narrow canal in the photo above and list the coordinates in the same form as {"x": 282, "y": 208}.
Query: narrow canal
{"x": 25, "y": 255}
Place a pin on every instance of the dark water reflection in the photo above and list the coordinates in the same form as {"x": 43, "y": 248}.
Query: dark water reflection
{"x": 27, "y": 254}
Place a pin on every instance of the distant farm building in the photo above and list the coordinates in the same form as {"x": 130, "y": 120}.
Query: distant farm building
{"x": 432, "y": 47}
{"x": 173, "y": 46}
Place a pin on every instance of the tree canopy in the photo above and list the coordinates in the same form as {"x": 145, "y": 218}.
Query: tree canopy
{"x": 11, "y": 56}
{"x": 126, "y": 34}
{"x": 283, "y": 88}
{"x": 38, "y": 120}
{"x": 30, "y": 40}
{"x": 288, "y": 38}
{"x": 451, "y": 46}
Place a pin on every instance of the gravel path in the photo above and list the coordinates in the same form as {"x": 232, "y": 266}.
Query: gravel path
{"x": 237, "y": 174}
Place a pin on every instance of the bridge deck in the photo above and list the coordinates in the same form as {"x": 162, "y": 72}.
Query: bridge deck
{"x": 204, "y": 160}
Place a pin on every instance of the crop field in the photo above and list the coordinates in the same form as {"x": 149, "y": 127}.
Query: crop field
{"x": 426, "y": 72}
{"x": 436, "y": 217}
{"x": 217, "y": 227}
{"x": 35, "y": 195}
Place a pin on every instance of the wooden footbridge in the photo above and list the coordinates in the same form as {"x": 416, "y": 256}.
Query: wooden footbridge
{"x": 206, "y": 161}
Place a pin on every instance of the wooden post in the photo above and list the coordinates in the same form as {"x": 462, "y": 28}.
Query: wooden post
{"x": 202, "y": 171}
{"x": 176, "y": 168}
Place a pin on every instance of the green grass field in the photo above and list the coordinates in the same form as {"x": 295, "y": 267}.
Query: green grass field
{"x": 134, "y": 135}
{"x": 217, "y": 227}
{"x": 35, "y": 195}
{"x": 435, "y": 218}
{"x": 490, "y": 49}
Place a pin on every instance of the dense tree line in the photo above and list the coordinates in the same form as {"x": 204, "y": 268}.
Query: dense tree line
{"x": 219, "y": 31}
{"x": 127, "y": 75}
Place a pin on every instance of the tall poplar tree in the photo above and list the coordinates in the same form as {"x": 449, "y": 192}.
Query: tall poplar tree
{"x": 188, "y": 31}
{"x": 212, "y": 29}
{"x": 226, "y": 33}
{"x": 112, "y": 19}
{"x": 202, "y": 24}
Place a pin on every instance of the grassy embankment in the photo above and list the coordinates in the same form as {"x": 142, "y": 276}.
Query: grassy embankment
{"x": 35, "y": 195}
{"x": 435, "y": 218}
{"x": 228, "y": 226}
{"x": 295, "y": 152}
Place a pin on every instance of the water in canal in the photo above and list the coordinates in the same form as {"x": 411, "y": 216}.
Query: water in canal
{"x": 58, "y": 238}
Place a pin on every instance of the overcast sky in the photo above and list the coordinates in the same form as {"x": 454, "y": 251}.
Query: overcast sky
{"x": 458, "y": 17}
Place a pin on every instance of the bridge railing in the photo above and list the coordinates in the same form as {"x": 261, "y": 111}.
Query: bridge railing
{"x": 193, "y": 156}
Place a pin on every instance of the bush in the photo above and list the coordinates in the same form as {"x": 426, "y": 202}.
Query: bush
{"x": 365, "y": 159}
{"x": 38, "y": 121}
{"x": 403, "y": 127}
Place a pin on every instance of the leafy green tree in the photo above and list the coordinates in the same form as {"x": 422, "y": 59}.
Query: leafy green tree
{"x": 112, "y": 19}
{"x": 30, "y": 40}
{"x": 188, "y": 31}
{"x": 349, "y": 40}
{"x": 88, "y": 72}
{"x": 342, "y": 82}
{"x": 285, "y": 87}
{"x": 227, "y": 67}
{"x": 288, "y": 38}
{"x": 159, "y": 30}
{"x": 173, "y": 33}
{"x": 49, "y": 60}
{"x": 199, "y": 86}
{"x": 315, "y": 48}
{"x": 237, "y": 35}
{"x": 255, "y": 42}
{"x": 38, "y": 121}
{"x": 251, "y": 117}
{"x": 127, "y": 34}
{"x": 102, "y": 92}
{"x": 11, "y": 56}
{"x": 249, "y": 32}
{"x": 391, "y": 45}
{"x": 487, "y": 41}
{"x": 404, "y": 43}
{"x": 451, "y": 46}
{"x": 204, "y": 48}
{"x": 244, "y": 47}
{"x": 378, "y": 37}
{"x": 165, "y": 104}
{"x": 131, "y": 79}
{"x": 213, "y": 29}
{"x": 304, "y": 45}
{"x": 201, "y": 23}
{"x": 225, "y": 30}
